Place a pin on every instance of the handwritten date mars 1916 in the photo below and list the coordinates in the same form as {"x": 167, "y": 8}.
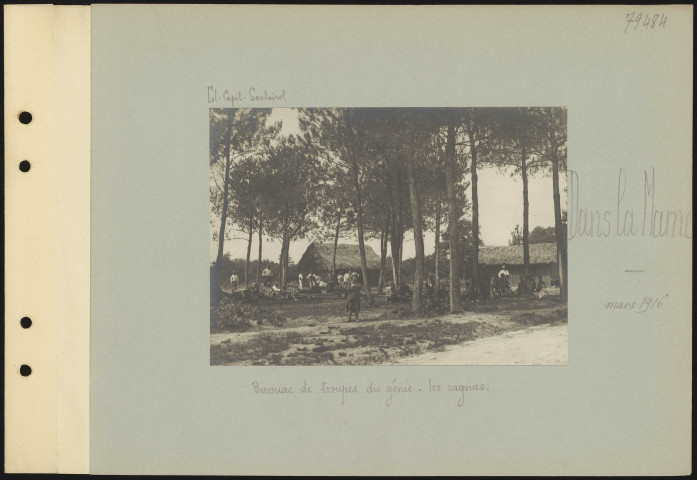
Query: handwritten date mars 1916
{"x": 648, "y": 303}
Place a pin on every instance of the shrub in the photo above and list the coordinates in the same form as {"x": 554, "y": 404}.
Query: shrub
{"x": 235, "y": 316}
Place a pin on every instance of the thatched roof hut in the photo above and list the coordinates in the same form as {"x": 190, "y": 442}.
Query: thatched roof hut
{"x": 318, "y": 259}
{"x": 513, "y": 254}
{"x": 543, "y": 260}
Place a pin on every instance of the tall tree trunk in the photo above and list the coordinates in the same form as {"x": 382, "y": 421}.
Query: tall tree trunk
{"x": 559, "y": 231}
{"x": 285, "y": 258}
{"x": 417, "y": 297}
{"x": 280, "y": 265}
{"x": 475, "y": 210}
{"x": 259, "y": 259}
{"x": 384, "y": 235}
{"x": 383, "y": 257}
{"x": 249, "y": 252}
{"x": 526, "y": 227}
{"x": 282, "y": 272}
{"x": 336, "y": 241}
{"x": 392, "y": 223}
{"x": 381, "y": 277}
{"x": 361, "y": 238}
{"x": 453, "y": 217}
{"x": 394, "y": 249}
{"x": 400, "y": 224}
{"x": 437, "y": 248}
{"x": 401, "y": 251}
{"x": 223, "y": 214}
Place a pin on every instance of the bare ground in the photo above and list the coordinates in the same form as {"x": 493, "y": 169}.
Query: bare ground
{"x": 314, "y": 331}
{"x": 540, "y": 345}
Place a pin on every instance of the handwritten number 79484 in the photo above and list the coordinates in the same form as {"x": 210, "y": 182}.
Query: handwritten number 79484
{"x": 646, "y": 21}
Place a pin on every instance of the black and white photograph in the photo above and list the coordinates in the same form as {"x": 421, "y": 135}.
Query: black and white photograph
{"x": 401, "y": 203}
{"x": 388, "y": 236}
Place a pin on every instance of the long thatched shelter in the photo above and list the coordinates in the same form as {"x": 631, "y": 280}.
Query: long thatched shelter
{"x": 318, "y": 259}
{"x": 543, "y": 261}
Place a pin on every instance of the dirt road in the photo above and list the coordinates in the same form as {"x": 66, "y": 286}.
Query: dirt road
{"x": 541, "y": 345}
{"x": 313, "y": 332}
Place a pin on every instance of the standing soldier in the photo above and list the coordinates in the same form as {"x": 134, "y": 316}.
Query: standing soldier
{"x": 266, "y": 276}
{"x": 353, "y": 303}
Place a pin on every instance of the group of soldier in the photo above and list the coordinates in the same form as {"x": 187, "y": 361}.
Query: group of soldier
{"x": 526, "y": 284}
{"x": 266, "y": 279}
{"x": 347, "y": 280}
{"x": 309, "y": 280}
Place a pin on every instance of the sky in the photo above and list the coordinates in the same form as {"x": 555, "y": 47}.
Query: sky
{"x": 500, "y": 210}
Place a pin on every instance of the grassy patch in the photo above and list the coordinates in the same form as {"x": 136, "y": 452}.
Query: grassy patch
{"x": 533, "y": 318}
{"x": 434, "y": 334}
{"x": 511, "y": 304}
{"x": 263, "y": 346}
{"x": 233, "y": 316}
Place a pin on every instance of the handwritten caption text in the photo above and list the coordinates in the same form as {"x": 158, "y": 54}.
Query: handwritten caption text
{"x": 388, "y": 392}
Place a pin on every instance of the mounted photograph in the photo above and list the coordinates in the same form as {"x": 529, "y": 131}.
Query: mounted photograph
{"x": 388, "y": 236}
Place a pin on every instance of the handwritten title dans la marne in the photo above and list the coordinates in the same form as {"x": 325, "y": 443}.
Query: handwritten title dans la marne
{"x": 625, "y": 219}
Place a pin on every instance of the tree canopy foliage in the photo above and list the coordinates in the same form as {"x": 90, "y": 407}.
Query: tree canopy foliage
{"x": 381, "y": 173}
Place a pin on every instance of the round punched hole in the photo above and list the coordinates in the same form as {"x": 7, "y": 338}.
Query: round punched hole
{"x": 25, "y": 322}
{"x": 25, "y": 118}
{"x": 25, "y": 370}
{"x": 24, "y": 166}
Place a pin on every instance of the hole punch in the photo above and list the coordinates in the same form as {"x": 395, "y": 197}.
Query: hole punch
{"x": 25, "y": 118}
{"x": 25, "y": 370}
{"x": 25, "y": 322}
{"x": 24, "y": 166}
